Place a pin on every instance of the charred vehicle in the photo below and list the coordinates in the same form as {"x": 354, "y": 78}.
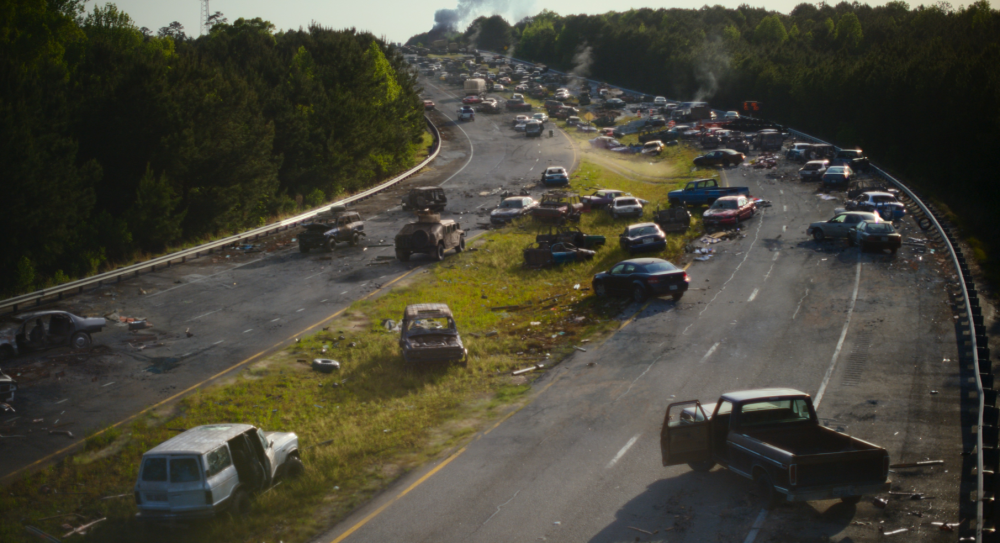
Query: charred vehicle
{"x": 432, "y": 198}
{"x": 544, "y": 254}
{"x": 212, "y": 469}
{"x": 558, "y": 206}
{"x": 429, "y": 235}
{"x": 556, "y": 234}
{"x": 673, "y": 219}
{"x": 346, "y": 227}
{"x": 429, "y": 334}
{"x": 45, "y": 329}
{"x": 773, "y": 437}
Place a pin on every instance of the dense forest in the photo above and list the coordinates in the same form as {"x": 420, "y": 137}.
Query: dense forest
{"x": 917, "y": 88}
{"x": 116, "y": 141}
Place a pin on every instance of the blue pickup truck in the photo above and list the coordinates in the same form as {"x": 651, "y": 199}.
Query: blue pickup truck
{"x": 704, "y": 192}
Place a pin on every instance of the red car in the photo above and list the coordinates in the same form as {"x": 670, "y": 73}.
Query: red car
{"x": 472, "y": 99}
{"x": 428, "y": 104}
{"x": 729, "y": 211}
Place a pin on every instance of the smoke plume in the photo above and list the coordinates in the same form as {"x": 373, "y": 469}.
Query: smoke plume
{"x": 582, "y": 60}
{"x": 451, "y": 20}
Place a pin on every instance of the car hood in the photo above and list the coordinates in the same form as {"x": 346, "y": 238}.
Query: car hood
{"x": 719, "y": 212}
{"x": 505, "y": 211}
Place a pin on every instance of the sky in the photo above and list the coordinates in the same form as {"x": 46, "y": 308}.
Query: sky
{"x": 397, "y": 20}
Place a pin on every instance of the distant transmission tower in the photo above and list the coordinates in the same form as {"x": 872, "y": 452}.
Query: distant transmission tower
{"x": 205, "y": 14}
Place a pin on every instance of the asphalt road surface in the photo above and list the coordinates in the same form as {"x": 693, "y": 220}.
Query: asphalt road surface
{"x": 871, "y": 337}
{"x": 238, "y": 306}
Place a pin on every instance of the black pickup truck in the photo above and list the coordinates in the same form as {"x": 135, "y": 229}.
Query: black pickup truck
{"x": 772, "y": 437}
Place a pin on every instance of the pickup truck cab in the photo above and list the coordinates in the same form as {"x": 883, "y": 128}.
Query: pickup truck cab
{"x": 703, "y": 192}
{"x": 210, "y": 469}
{"x": 772, "y": 436}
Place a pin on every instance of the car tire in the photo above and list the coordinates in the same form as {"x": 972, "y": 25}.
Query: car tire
{"x": 461, "y": 244}
{"x": 355, "y": 239}
{"x": 737, "y": 225}
{"x": 600, "y": 290}
{"x": 294, "y": 468}
{"x": 81, "y": 340}
{"x": 241, "y": 504}
{"x": 893, "y": 251}
{"x": 703, "y": 466}
{"x": 818, "y": 235}
{"x": 439, "y": 252}
{"x": 765, "y": 490}
{"x": 639, "y": 294}
{"x": 403, "y": 256}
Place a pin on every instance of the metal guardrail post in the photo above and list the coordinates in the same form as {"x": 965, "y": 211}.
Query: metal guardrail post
{"x": 12, "y": 304}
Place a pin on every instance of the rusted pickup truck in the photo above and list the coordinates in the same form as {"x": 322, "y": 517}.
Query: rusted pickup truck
{"x": 772, "y": 436}
{"x": 557, "y": 206}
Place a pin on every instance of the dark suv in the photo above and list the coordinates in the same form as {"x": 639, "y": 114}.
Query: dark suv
{"x": 431, "y": 198}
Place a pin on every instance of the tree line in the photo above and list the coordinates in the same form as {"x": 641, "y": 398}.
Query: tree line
{"x": 116, "y": 142}
{"x": 917, "y": 88}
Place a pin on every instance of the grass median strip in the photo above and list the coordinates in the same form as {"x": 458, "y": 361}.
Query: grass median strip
{"x": 365, "y": 424}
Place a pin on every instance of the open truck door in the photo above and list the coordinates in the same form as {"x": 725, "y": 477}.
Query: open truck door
{"x": 685, "y": 436}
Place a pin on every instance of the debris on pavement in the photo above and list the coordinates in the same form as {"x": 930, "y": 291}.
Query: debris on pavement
{"x": 894, "y": 532}
{"x": 528, "y": 369}
{"x": 880, "y": 502}
{"x": 918, "y": 464}
{"x": 66, "y": 433}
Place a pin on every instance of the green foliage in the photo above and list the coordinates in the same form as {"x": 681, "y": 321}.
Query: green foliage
{"x": 490, "y": 33}
{"x": 117, "y": 142}
{"x": 770, "y": 30}
{"x": 849, "y": 31}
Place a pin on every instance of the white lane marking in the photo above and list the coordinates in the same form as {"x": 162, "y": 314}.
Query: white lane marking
{"x": 300, "y": 310}
{"x": 784, "y": 208}
{"x": 768, "y": 274}
{"x": 798, "y": 307}
{"x": 531, "y": 168}
{"x": 843, "y": 335}
{"x": 311, "y": 276}
{"x": 499, "y": 506}
{"x": 781, "y": 191}
{"x": 755, "y": 291}
{"x": 277, "y": 319}
{"x": 342, "y": 293}
{"x": 218, "y": 342}
{"x": 776, "y": 253}
{"x": 61, "y": 401}
{"x": 248, "y": 331}
{"x": 757, "y": 525}
{"x": 322, "y": 301}
{"x": 203, "y": 278}
{"x": 709, "y": 353}
{"x": 205, "y": 315}
{"x": 472, "y": 148}
{"x": 622, "y": 452}
{"x": 784, "y": 228}
{"x": 107, "y": 384}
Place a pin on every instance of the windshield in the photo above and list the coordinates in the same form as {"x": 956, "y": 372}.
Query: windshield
{"x": 429, "y": 325}
{"x": 725, "y": 204}
{"x": 626, "y": 202}
{"x": 660, "y": 267}
{"x": 642, "y": 231}
{"x": 774, "y": 412}
{"x": 835, "y": 170}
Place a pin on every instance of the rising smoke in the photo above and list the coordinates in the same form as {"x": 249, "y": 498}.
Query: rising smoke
{"x": 453, "y": 19}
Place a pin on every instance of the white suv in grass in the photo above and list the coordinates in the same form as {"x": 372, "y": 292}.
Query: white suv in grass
{"x": 210, "y": 469}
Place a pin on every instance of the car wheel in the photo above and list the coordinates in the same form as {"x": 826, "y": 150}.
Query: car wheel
{"x": 80, "y": 340}
{"x": 677, "y": 297}
{"x": 355, "y": 239}
{"x": 403, "y": 256}
{"x": 241, "y": 504}
{"x": 818, "y": 235}
{"x": 600, "y": 290}
{"x": 766, "y": 492}
{"x": 737, "y": 225}
{"x": 893, "y": 251}
{"x": 461, "y": 244}
{"x": 294, "y": 468}
{"x": 439, "y": 253}
{"x": 639, "y": 294}
{"x": 702, "y": 466}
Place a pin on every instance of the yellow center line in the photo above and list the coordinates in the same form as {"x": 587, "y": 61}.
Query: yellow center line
{"x": 198, "y": 385}
{"x": 632, "y": 318}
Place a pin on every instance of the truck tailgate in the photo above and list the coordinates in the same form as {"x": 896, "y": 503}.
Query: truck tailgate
{"x": 850, "y": 467}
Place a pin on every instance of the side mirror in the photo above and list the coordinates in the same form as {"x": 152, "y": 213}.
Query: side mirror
{"x": 270, "y": 444}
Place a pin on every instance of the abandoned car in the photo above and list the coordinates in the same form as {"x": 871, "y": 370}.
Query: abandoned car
{"x": 45, "y": 329}
{"x": 543, "y": 254}
{"x": 558, "y": 206}
{"x": 429, "y": 235}
{"x": 211, "y": 469}
{"x": 432, "y": 198}
{"x": 512, "y": 208}
{"x": 554, "y": 234}
{"x": 429, "y": 334}
{"x": 346, "y": 227}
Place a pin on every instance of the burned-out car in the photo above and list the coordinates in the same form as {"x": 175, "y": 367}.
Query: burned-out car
{"x": 429, "y": 334}
{"x": 555, "y": 234}
{"x": 432, "y": 198}
{"x": 212, "y": 469}
{"x": 673, "y": 219}
{"x": 44, "y": 329}
{"x": 558, "y": 206}
{"x": 346, "y": 227}
{"x": 429, "y": 235}
{"x": 543, "y": 254}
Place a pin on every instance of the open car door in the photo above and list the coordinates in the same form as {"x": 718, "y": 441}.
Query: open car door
{"x": 685, "y": 434}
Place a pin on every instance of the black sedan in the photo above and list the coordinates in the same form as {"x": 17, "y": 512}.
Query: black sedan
{"x": 44, "y": 329}
{"x": 721, "y": 157}
{"x": 878, "y": 235}
{"x": 642, "y": 278}
{"x": 642, "y": 237}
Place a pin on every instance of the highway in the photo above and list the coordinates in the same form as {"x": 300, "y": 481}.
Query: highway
{"x": 238, "y": 306}
{"x": 870, "y": 336}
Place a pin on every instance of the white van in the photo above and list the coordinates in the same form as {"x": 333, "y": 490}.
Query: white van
{"x": 213, "y": 468}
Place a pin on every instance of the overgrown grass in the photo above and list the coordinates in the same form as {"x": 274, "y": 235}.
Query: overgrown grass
{"x": 364, "y": 425}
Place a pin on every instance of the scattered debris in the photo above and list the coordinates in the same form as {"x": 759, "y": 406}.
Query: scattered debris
{"x": 62, "y": 432}
{"x": 894, "y": 532}
{"x": 918, "y": 464}
{"x": 581, "y": 349}
{"x": 640, "y": 530}
{"x": 492, "y": 333}
{"x": 83, "y": 529}
{"x": 528, "y": 369}
{"x": 134, "y": 326}
{"x": 880, "y": 502}
{"x": 188, "y": 332}
{"x": 325, "y": 365}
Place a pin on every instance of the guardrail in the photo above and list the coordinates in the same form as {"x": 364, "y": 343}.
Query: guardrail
{"x": 988, "y": 416}
{"x": 76, "y": 287}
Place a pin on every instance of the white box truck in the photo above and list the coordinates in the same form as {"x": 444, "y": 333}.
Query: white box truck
{"x": 475, "y": 86}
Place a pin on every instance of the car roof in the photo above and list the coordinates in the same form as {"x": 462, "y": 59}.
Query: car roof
{"x": 640, "y": 224}
{"x": 643, "y": 261}
{"x": 730, "y": 197}
{"x": 878, "y": 193}
{"x": 760, "y": 393}
{"x": 39, "y": 314}
{"x": 200, "y": 439}
{"x": 426, "y": 311}
{"x": 824, "y": 161}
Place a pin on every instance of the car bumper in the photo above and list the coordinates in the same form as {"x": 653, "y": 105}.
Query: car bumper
{"x": 646, "y": 247}
{"x": 555, "y": 182}
{"x": 888, "y": 244}
{"x": 665, "y": 289}
{"x": 831, "y": 492}
{"x": 725, "y": 221}
{"x": 153, "y": 515}
{"x": 435, "y": 355}
{"x": 502, "y": 219}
